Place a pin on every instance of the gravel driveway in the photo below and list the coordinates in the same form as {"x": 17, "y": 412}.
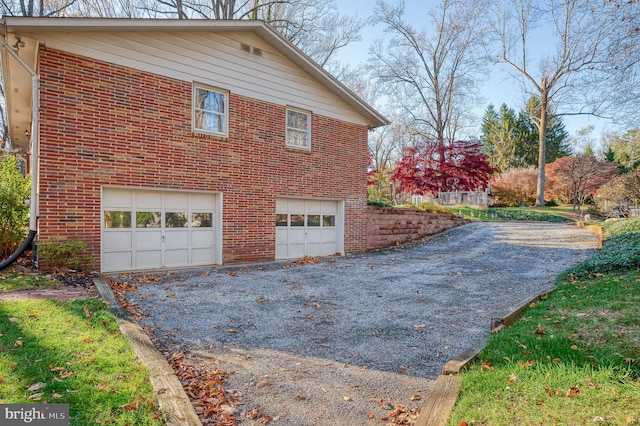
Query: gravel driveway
{"x": 335, "y": 342}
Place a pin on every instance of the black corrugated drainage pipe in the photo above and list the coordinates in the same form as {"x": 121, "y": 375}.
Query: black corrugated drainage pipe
{"x": 25, "y": 245}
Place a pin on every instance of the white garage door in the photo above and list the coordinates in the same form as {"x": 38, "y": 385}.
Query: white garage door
{"x": 158, "y": 229}
{"x": 308, "y": 228}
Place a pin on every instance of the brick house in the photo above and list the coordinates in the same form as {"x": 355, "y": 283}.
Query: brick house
{"x": 170, "y": 143}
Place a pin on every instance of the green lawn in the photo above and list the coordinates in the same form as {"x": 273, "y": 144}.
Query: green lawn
{"x": 13, "y": 279}
{"x": 72, "y": 352}
{"x": 573, "y": 358}
{"x": 546, "y": 214}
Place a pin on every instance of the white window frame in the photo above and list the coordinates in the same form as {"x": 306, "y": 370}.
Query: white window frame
{"x": 307, "y": 130}
{"x": 224, "y": 113}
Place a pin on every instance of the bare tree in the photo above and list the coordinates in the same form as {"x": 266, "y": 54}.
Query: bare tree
{"x": 385, "y": 149}
{"x": 104, "y": 9}
{"x": 574, "y": 61}
{"x": 315, "y": 27}
{"x": 431, "y": 75}
{"x": 39, "y": 8}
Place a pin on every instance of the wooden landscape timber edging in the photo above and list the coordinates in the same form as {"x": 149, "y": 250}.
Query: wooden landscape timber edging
{"x": 173, "y": 401}
{"x": 443, "y": 396}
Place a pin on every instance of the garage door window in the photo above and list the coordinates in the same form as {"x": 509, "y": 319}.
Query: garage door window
{"x": 297, "y": 220}
{"x": 202, "y": 220}
{"x": 313, "y": 220}
{"x": 176, "y": 219}
{"x": 117, "y": 219}
{"x": 148, "y": 219}
{"x": 282, "y": 220}
{"x": 328, "y": 220}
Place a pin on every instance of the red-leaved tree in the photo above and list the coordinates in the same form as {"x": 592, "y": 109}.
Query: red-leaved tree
{"x": 571, "y": 179}
{"x": 458, "y": 166}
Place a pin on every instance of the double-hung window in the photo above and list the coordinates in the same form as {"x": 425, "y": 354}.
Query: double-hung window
{"x": 210, "y": 110}
{"x": 298, "y": 128}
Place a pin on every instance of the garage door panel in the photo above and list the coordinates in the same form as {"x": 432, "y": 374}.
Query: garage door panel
{"x": 123, "y": 261}
{"x": 148, "y": 200}
{"x": 282, "y": 235}
{"x": 175, "y": 201}
{"x": 202, "y": 237}
{"x": 151, "y": 259}
{"x": 175, "y": 258}
{"x": 296, "y": 206}
{"x": 282, "y": 251}
{"x": 297, "y": 250}
{"x": 328, "y": 236}
{"x": 202, "y": 256}
{"x": 329, "y": 208}
{"x": 314, "y": 234}
{"x": 313, "y": 249}
{"x": 329, "y": 248}
{"x": 176, "y": 239}
{"x": 313, "y": 206}
{"x": 146, "y": 239}
{"x": 297, "y": 235}
{"x": 114, "y": 199}
{"x": 117, "y": 240}
{"x": 203, "y": 202}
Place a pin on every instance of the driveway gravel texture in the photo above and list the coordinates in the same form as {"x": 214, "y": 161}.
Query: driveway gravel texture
{"x": 349, "y": 340}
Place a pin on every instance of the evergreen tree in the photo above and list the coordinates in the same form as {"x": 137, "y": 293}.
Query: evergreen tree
{"x": 625, "y": 150}
{"x": 558, "y": 142}
{"x": 498, "y": 136}
{"x": 511, "y": 141}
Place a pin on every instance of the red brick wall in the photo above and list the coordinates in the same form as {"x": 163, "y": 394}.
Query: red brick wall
{"x": 390, "y": 226}
{"x": 103, "y": 124}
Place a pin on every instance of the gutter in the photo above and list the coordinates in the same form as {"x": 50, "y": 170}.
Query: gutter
{"x": 35, "y": 110}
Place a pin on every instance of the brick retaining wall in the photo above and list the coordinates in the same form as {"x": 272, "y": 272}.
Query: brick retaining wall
{"x": 389, "y": 226}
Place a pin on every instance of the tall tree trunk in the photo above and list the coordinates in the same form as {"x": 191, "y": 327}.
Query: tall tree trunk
{"x": 542, "y": 141}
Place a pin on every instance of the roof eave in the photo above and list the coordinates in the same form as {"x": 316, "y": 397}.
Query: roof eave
{"x": 35, "y": 25}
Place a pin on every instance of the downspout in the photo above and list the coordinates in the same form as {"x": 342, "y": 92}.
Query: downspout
{"x": 33, "y": 205}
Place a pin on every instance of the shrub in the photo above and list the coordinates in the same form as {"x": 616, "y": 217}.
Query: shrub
{"x": 620, "y": 251}
{"x": 14, "y": 212}
{"x": 64, "y": 255}
{"x": 432, "y": 208}
{"x": 621, "y": 192}
{"x": 516, "y": 187}
{"x": 378, "y": 203}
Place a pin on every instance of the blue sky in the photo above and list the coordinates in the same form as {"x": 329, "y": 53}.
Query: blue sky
{"x": 500, "y": 88}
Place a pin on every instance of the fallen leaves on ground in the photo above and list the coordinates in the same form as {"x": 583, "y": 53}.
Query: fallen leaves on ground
{"x": 402, "y": 415}
{"x": 204, "y": 387}
{"x": 306, "y": 260}
{"x": 120, "y": 288}
{"x": 36, "y": 386}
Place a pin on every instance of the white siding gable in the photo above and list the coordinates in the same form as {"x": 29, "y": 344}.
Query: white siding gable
{"x": 218, "y": 59}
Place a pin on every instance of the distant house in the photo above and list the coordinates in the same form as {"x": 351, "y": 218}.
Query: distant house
{"x": 172, "y": 143}
{"x": 480, "y": 199}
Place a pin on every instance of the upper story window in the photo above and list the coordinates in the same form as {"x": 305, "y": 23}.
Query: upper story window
{"x": 210, "y": 110}
{"x": 298, "y": 128}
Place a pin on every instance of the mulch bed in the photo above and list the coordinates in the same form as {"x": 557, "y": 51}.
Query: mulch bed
{"x": 69, "y": 278}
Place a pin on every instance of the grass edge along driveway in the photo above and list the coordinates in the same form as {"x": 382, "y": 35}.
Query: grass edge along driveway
{"x": 573, "y": 358}
{"x": 72, "y": 352}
